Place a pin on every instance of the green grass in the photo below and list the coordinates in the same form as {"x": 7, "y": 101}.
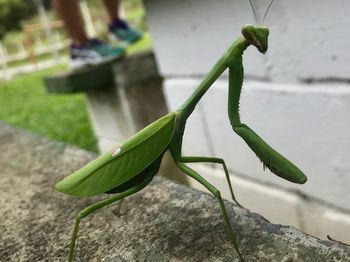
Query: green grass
{"x": 24, "y": 103}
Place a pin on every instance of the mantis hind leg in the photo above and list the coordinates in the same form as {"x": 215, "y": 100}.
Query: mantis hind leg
{"x": 197, "y": 159}
{"x": 88, "y": 210}
{"x": 187, "y": 170}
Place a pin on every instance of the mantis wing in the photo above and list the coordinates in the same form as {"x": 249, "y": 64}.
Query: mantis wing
{"x": 121, "y": 163}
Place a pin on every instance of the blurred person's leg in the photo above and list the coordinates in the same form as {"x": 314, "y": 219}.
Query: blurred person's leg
{"x": 84, "y": 51}
{"x": 118, "y": 28}
{"x": 112, "y": 7}
{"x": 69, "y": 12}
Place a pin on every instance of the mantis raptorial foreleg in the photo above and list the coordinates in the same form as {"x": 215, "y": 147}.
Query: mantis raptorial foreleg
{"x": 192, "y": 173}
{"x": 88, "y": 210}
{"x": 215, "y": 160}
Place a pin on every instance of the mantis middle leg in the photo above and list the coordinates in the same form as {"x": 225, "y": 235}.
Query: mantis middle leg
{"x": 88, "y": 210}
{"x": 189, "y": 171}
{"x": 203, "y": 159}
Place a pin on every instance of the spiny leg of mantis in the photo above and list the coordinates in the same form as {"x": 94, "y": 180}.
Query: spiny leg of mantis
{"x": 189, "y": 171}
{"x": 203, "y": 159}
{"x": 88, "y": 210}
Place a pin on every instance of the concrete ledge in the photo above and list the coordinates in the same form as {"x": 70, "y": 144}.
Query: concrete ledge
{"x": 87, "y": 78}
{"x": 164, "y": 222}
{"x": 126, "y": 72}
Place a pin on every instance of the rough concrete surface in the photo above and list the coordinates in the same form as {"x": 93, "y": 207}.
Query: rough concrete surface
{"x": 164, "y": 222}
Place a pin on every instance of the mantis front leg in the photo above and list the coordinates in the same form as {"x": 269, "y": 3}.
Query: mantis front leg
{"x": 189, "y": 171}
{"x": 203, "y": 159}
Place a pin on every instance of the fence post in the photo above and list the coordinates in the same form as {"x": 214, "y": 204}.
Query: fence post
{"x": 87, "y": 18}
{"x": 3, "y": 62}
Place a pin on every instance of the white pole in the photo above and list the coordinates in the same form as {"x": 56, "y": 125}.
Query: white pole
{"x": 45, "y": 22}
{"x": 87, "y": 18}
{"x": 4, "y": 67}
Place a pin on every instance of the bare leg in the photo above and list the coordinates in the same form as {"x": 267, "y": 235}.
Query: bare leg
{"x": 196, "y": 159}
{"x": 112, "y": 7}
{"x": 71, "y": 16}
{"x": 187, "y": 170}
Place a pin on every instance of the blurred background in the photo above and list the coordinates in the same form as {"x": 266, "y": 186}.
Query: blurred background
{"x": 34, "y": 44}
{"x": 297, "y": 96}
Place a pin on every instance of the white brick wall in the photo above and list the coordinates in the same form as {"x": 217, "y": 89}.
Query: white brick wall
{"x": 308, "y": 40}
{"x": 308, "y": 125}
{"x": 299, "y": 101}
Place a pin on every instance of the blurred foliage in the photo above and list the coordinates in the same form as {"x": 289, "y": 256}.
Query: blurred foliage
{"x": 13, "y": 12}
{"x": 24, "y": 103}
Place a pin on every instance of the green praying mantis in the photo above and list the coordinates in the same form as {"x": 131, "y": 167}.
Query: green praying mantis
{"x": 131, "y": 166}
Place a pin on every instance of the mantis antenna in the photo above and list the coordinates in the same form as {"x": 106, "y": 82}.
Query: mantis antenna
{"x": 255, "y": 13}
{"x": 267, "y": 10}
{"x": 251, "y": 4}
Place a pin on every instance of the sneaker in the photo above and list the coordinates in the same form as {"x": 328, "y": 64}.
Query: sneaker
{"x": 121, "y": 31}
{"x": 93, "y": 52}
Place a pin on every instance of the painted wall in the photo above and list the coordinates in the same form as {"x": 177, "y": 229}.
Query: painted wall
{"x": 297, "y": 96}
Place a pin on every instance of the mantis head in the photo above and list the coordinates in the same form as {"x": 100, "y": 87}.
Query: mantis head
{"x": 257, "y": 36}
